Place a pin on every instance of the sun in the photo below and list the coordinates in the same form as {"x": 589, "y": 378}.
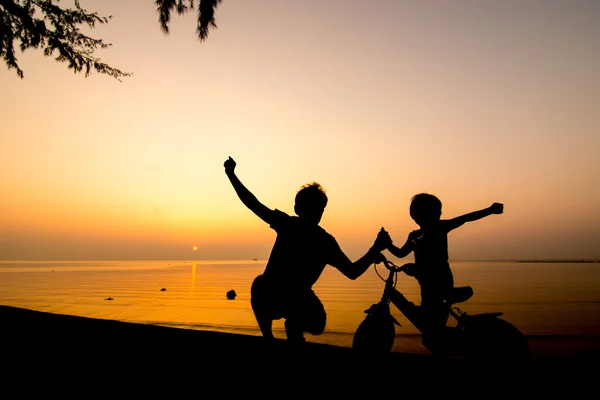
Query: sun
{"x": 194, "y": 248}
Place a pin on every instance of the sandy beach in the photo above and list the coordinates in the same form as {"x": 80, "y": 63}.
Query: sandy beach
{"x": 69, "y": 344}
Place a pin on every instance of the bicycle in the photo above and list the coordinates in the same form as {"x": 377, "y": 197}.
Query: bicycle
{"x": 480, "y": 339}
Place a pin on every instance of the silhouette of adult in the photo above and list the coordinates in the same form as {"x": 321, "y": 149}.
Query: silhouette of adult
{"x": 301, "y": 251}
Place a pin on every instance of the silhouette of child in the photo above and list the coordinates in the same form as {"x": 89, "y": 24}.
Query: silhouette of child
{"x": 431, "y": 268}
{"x": 301, "y": 251}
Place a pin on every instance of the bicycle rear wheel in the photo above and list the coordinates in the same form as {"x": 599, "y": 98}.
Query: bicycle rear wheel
{"x": 494, "y": 343}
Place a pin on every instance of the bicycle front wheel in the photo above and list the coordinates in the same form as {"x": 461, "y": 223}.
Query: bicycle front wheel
{"x": 375, "y": 334}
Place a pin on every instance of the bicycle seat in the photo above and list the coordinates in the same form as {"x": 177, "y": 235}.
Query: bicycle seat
{"x": 460, "y": 294}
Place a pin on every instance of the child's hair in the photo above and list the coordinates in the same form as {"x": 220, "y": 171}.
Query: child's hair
{"x": 311, "y": 197}
{"x": 425, "y": 207}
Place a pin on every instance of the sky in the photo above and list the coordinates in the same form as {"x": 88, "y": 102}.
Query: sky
{"x": 474, "y": 101}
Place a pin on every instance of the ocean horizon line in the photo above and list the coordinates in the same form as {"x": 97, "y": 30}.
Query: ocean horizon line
{"x": 220, "y": 260}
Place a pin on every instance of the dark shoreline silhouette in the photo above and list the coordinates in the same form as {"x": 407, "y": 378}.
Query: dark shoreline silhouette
{"x": 111, "y": 354}
{"x": 43, "y": 331}
{"x": 39, "y": 339}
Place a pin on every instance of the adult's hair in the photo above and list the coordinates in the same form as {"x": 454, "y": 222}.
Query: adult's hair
{"x": 311, "y": 197}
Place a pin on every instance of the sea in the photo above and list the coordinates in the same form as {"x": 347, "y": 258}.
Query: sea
{"x": 546, "y": 300}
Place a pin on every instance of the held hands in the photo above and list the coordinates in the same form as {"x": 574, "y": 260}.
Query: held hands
{"x": 383, "y": 240}
{"x": 497, "y": 208}
{"x": 229, "y": 166}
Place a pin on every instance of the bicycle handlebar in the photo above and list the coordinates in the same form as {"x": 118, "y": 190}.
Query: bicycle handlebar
{"x": 393, "y": 267}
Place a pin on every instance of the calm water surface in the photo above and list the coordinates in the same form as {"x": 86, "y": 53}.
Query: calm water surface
{"x": 555, "y": 299}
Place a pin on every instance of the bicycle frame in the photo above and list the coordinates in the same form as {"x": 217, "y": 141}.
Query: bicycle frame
{"x": 391, "y": 294}
{"x": 410, "y": 309}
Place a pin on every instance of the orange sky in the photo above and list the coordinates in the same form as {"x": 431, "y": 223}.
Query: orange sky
{"x": 475, "y": 102}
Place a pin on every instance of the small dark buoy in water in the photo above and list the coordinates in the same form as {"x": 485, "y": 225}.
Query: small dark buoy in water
{"x": 109, "y": 298}
{"x": 163, "y": 289}
{"x": 231, "y": 294}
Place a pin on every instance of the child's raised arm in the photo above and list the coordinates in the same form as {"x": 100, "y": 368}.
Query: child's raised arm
{"x": 496, "y": 208}
{"x": 405, "y": 250}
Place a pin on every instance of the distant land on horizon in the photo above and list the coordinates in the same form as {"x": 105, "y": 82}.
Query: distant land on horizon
{"x": 534, "y": 260}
